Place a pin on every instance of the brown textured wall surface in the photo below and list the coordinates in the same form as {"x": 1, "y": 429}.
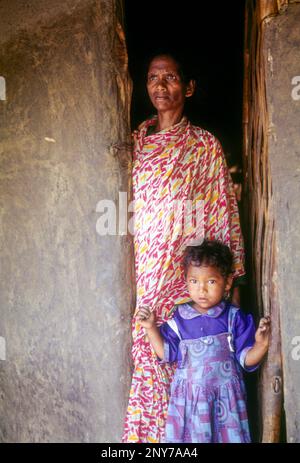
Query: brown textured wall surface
{"x": 65, "y": 292}
{"x": 282, "y": 50}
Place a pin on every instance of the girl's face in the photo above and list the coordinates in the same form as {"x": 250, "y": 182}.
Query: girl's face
{"x": 206, "y": 286}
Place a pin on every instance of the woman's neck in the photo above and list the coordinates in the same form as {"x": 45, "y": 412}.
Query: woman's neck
{"x": 167, "y": 119}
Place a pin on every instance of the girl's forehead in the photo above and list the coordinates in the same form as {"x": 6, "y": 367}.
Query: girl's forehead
{"x": 203, "y": 270}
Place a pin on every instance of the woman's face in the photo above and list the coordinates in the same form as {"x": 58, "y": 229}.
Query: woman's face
{"x": 165, "y": 87}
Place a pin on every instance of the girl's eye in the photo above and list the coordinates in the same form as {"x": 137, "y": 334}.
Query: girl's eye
{"x": 193, "y": 281}
{"x": 211, "y": 282}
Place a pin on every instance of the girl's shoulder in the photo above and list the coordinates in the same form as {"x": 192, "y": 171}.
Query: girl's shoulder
{"x": 238, "y": 311}
{"x": 239, "y": 319}
{"x": 234, "y": 311}
{"x": 233, "y": 308}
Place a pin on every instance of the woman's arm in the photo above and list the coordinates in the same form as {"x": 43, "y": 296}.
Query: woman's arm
{"x": 260, "y": 348}
{"x": 236, "y": 297}
{"x": 221, "y": 204}
{"x": 147, "y": 320}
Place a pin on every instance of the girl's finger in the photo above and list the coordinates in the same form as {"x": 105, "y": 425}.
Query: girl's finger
{"x": 264, "y": 321}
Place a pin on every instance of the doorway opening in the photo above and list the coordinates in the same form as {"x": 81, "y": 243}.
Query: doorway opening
{"x": 211, "y": 40}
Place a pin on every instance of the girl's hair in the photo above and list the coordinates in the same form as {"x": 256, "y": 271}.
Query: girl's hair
{"x": 210, "y": 253}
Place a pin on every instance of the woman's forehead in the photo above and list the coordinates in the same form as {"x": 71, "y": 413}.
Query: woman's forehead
{"x": 163, "y": 63}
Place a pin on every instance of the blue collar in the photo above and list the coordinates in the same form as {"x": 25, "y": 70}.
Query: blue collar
{"x": 187, "y": 312}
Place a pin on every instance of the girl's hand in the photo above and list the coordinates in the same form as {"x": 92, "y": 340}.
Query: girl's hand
{"x": 145, "y": 317}
{"x": 263, "y": 331}
{"x": 260, "y": 348}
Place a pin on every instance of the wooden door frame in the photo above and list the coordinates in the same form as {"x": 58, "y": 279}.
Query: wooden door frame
{"x": 258, "y": 202}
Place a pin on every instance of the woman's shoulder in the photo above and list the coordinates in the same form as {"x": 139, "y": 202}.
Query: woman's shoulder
{"x": 141, "y": 131}
{"x": 200, "y": 133}
{"x": 145, "y": 124}
{"x": 203, "y": 137}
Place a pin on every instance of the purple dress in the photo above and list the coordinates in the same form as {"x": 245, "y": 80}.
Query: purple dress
{"x": 208, "y": 399}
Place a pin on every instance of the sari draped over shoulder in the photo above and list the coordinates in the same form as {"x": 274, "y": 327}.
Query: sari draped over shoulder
{"x": 182, "y": 192}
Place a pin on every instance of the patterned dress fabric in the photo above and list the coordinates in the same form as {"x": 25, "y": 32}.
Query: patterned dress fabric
{"x": 174, "y": 171}
{"x": 208, "y": 398}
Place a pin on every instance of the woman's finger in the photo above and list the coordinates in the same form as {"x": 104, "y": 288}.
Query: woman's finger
{"x": 143, "y": 313}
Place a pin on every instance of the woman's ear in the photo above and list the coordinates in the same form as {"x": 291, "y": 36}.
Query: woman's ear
{"x": 190, "y": 88}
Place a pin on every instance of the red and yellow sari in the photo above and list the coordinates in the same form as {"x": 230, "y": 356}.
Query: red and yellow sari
{"x": 182, "y": 163}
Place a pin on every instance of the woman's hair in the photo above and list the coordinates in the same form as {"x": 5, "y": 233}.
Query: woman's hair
{"x": 211, "y": 253}
{"x": 184, "y": 65}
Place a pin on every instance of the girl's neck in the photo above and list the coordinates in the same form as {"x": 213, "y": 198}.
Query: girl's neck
{"x": 206, "y": 310}
{"x": 202, "y": 311}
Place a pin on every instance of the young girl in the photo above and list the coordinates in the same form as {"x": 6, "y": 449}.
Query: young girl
{"x": 211, "y": 340}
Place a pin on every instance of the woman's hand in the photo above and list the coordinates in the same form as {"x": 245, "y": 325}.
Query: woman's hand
{"x": 146, "y": 317}
{"x": 236, "y": 297}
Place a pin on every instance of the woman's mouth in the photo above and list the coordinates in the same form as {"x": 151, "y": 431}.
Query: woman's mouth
{"x": 161, "y": 97}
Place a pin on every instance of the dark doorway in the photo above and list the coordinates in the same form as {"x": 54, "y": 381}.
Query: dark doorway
{"x": 209, "y": 36}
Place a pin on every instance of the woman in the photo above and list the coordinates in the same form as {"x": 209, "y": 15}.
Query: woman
{"x": 177, "y": 167}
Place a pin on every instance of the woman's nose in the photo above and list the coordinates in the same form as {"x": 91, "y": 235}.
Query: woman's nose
{"x": 161, "y": 84}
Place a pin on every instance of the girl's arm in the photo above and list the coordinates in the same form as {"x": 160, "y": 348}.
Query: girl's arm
{"x": 147, "y": 320}
{"x": 260, "y": 348}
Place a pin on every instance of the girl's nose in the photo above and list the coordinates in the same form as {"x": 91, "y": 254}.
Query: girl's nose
{"x": 202, "y": 289}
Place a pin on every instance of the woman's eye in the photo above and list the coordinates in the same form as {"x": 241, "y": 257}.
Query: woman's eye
{"x": 171, "y": 77}
{"x": 151, "y": 78}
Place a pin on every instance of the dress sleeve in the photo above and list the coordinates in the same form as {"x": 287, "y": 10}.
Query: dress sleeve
{"x": 171, "y": 342}
{"x": 244, "y": 337}
{"x": 222, "y": 215}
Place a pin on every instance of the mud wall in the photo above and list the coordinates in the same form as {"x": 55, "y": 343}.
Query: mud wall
{"x": 65, "y": 290}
